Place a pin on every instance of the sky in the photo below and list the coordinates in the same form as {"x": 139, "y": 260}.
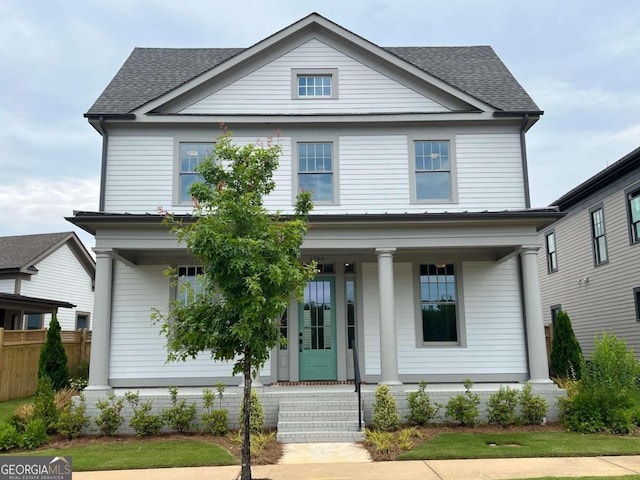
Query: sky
{"x": 578, "y": 59}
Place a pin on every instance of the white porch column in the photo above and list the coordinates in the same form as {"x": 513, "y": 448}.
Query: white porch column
{"x": 386, "y": 297}
{"x": 537, "y": 348}
{"x": 101, "y": 330}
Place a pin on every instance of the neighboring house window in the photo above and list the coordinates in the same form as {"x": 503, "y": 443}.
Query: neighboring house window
{"x": 82, "y": 320}
{"x": 314, "y": 84}
{"x": 433, "y": 171}
{"x": 189, "y": 283}
{"x": 438, "y": 303}
{"x": 636, "y": 296}
{"x": 555, "y": 310}
{"x": 284, "y": 328}
{"x": 191, "y": 155}
{"x": 34, "y": 321}
{"x": 316, "y": 171}
{"x": 552, "y": 255}
{"x": 634, "y": 215}
{"x": 598, "y": 236}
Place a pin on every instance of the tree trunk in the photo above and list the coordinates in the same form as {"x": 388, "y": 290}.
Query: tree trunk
{"x": 245, "y": 473}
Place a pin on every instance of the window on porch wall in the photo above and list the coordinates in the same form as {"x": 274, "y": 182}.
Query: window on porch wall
{"x": 189, "y": 283}
{"x": 438, "y": 303}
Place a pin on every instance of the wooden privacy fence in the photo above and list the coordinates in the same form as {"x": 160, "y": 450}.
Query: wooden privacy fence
{"x": 20, "y": 352}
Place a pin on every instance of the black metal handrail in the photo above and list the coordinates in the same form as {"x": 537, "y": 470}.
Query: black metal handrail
{"x": 358, "y": 381}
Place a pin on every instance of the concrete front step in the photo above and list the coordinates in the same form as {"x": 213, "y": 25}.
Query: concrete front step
{"x": 307, "y": 416}
{"x": 326, "y": 426}
{"x": 320, "y": 437}
{"x": 315, "y": 405}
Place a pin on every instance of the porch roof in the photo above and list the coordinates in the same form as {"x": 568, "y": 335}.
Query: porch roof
{"x": 32, "y": 304}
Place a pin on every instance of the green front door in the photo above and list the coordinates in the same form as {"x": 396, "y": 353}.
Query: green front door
{"x": 317, "y": 319}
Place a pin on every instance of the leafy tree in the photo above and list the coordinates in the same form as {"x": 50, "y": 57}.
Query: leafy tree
{"x": 250, "y": 261}
{"x": 566, "y": 354}
{"x": 53, "y": 359}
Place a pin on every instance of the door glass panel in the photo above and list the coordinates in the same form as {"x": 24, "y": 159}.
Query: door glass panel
{"x": 317, "y": 316}
{"x": 351, "y": 312}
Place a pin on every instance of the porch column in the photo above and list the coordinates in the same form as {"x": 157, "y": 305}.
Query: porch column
{"x": 101, "y": 330}
{"x": 386, "y": 297}
{"x": 537, "y": 348}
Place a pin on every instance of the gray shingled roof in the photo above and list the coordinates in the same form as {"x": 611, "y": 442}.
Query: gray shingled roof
{"x": 149, "y": 73}
{"x": 19, "y": 251}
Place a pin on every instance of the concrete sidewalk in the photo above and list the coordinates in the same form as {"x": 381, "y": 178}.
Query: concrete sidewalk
{"x": 485, "y": 469}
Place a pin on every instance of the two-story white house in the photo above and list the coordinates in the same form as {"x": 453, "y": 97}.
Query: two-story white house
{"x": 422, "y": 226}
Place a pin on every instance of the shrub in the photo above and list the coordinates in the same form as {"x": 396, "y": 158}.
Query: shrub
{"x": 109, "y": 419}
{"x": 73, "y": 418}
{"x": 179, "y": 416}
{"x": 502, "y": 406}
{"x": 464, "y": 408}
{"x": 35, "y": 434}
{"x": 566, "y": 354}
{"x": 385, "y": 410}
{"x": 44, "y": 406}
{"x": 53, "y": 359}
{"x": 214, "y": 421}
{"x": 9, "y": 436}
{"x": 143, "y": 421}
{"x": 382, "y": 441}
{"x": 533, "y": 409}
{"x": 79, "y": 375}
{"x": 256, "y": 414}
{"x": 604, "y": 397}
{"x": 421, "y": 410}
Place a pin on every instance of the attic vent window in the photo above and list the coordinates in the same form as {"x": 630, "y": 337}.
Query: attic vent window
{"x": 314, "y": 84}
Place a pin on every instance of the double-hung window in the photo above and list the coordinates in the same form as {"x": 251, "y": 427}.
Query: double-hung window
{"x": 433, "y": 175}
{"x": 633, "y": 203}
{"x": 316, "y": 171}
{"x": 189, "y": 283}
{"x": 438, "y": 303}
{"x": 636, "y": 298}
{"x": 552, "y": 255}
{"x": 598, "y": 236}
{"x": 191, "y": 155}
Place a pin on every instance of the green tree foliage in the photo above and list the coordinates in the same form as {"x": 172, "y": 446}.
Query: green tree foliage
{"x": 250, "y": 261}
{"x": 566, "y": 354}
{"x": 53, "y": 359}
{"x": 385, "y": 410}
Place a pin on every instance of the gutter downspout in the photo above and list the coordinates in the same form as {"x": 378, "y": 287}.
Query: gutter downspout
{"x": 525, "y": 168}
{"x": 103, "y": 168}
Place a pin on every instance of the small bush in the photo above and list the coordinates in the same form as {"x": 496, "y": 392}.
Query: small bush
{"x": 385, "y": 410}
{"x": 9, "y": 436}
{"x": 533, "y": 409}
{"x": 79, "y": 375}
{"x": 502, "y": 406}
{"x": 143, "y": 421}
{"x": 44, "y": 406}
{"x": 464, "y": 408}
{"x": 566, "y": 354}
{"x": 73, "y": 418}
{"x": 180, "y": 417}
{"x": 256, "y": 414}
{"x": 421, "y": 410}
{"x": 214, "y": 422}
{"x": 109, "y": 419}
{"x": 35, "y": 434}
{"x": 382, "y": 441}
{"x": 53, "y": 359}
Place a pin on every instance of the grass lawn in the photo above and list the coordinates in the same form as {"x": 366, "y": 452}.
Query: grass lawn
{"x": 522, "y": 444}
{"x": 142, "y": 454}
{"x": 7, "y": 408}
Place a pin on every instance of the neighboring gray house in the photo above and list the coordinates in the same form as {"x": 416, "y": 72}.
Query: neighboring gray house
{"x": 42, "y": 273}
{"x": 422, "y": 225}
{"x": 591, "y": 262}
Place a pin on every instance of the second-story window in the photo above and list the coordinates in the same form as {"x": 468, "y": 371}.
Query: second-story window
{"x": 552, "y": 255}
{"x": 191, "y": 155}
{"x": 314, "y": 85}
{"x": 599, "y": 237}
{"x": 310, "y": 84}
{"x": 316, "y": 170}
{"x": 433, "y": 171}
{"x": 633, "y": 199}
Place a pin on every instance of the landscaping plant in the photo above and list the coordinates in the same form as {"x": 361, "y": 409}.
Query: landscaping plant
{"x": 53, "y": 359}
{"x": 385, "y": 410}
{"x": 566, "y": 354}
{"x": 44, "y": 406}
{"x": 143, "y": 421}
{"x": 256, "y": 415}
{"x": 464, "y": 408}
{"x": 214, "y": 421}
{"x": 180, "y": 416}
{"x": 501, "y": 406}
{"x": 73, "y": 418}
{"x": 421, "y": 409}
{"x": 533, "y": 409}
{"x": 110, "y": 418}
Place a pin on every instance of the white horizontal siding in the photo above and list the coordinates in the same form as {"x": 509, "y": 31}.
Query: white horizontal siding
{"x": 138, "y": 349}
{"x": 493, "y": 316}
{"x": 267, "y": 90}
{"x": 61, "y": 277}
{"x": 7, "y": 285}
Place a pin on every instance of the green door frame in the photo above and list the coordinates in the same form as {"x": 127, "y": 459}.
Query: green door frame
{"x": 317, "y": 340}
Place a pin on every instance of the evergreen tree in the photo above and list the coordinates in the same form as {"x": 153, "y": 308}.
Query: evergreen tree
{"x": 53, "y": 358}
{"x": 566, "y": 354}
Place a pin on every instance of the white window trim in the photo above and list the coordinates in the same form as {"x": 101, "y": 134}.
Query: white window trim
{"x": 88, "y": 315}
{"x": 411, "y": 157}
{"x": 335, "y": 163}
{"x": 460, "y": 319}
{"x": 550, "y": 268}
{"x": 177, "y": 141}
{"x": 324, "y": 72}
